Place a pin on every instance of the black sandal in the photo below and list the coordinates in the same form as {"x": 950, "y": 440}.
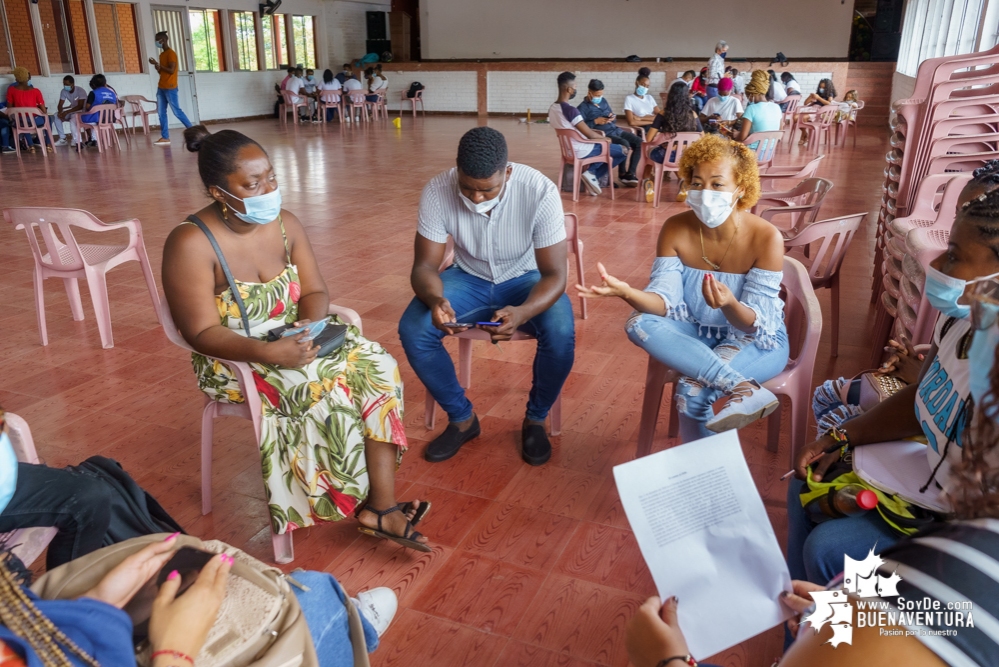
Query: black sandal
{"x": 419, "y": 511}
{"x": 408, "y": 539}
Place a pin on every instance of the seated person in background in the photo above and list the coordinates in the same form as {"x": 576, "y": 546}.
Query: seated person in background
{"x": 640, "y": 108}
{"x": 712, "y": 310}
{"x": 309, "y": 88}
{"x": 688, "y": 77}
{"x": 699, "y": 89}
{"x": 939, "y": 407}
{"x": 677, "y": 116}
{"x": 777, "y": 91}
{"x": 345, "y": 73}
{"x": 278, "y": 87}
{"x": 381, "y": 75}
{"x": 352, "y": 85}
{"x": 374, "y": 84}
{"x": 331, "y": 84}
{"x": 725, "y": 107}
{"x": 825, "y": 93}
{"x": 100, "y": 93}
{"x": 337, "y": 457}
{"x": 760, "y": 115}
{"x": 563, "y": 116}
{"x": 22, "y": 94}
{"x": 738, "y": 85}
{"x": 516, "y": 278}
{"x": 6, "y": 133}
{"x": 71, "y": 100}
{"x": 296, "y": 86}
{"x": 791, "y": 87}
{"x": 598, "y": 115}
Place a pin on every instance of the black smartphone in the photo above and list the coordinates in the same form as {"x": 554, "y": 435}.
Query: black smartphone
{"x": 188, "y": 562}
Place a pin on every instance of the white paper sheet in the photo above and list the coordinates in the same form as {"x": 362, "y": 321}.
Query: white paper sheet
{"x": 900, "y": 468}
{"x": 707, "y": 539}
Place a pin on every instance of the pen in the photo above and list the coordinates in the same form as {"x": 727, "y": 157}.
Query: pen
{"x": 828, "y": 450}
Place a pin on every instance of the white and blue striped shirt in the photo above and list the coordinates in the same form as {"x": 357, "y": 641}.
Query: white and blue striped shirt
{"x": 499, "y": 246}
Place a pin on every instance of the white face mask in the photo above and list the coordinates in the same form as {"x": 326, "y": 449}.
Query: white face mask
{"x": 711, "y": 207}
{"x": 483, "y": 207}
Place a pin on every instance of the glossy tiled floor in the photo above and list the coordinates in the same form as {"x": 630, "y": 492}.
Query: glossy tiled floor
{"x": 531, "y": 566}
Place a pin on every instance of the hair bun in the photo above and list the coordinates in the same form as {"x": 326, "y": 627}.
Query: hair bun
{"x": 195, "y": 136}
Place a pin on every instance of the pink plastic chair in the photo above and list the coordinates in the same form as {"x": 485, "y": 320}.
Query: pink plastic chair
{"x": 846, "y": 123}
{"x": 674, "y": 146}
{"x": 70, "y": 261}
{"x": 801, "y": 204}
{"x": 382, "y": 104}
{"x": 417, "y": 99}
{"x": 26, "y": 543}
{"x": 357, "y": 101}
{"x": 833, "y": 236}
{"x": 330, "y": 99}
{"x": 292, "y": 103}
{"x": 818, "y": 126}
{"x": 250, "y": 408}
{"x": 566, "y": 138}
{"x": 575, "y": 246}
{"x": 22, "y": 122}
{"x": 803, "y": 318}
{"x": 103, "y": 129}
{"x": 792, "y": 102}
{"x": 766, "y": 146}
{"x": 135, "y": 108}
{"x": 770, "y": 175}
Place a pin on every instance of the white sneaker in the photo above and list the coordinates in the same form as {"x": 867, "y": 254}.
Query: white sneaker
{"x": 591, "y": 183}
{"x": 161, "y": 142}
{"x": 378, "y": 606}
{"x": 60, "y": 142}
{"x": 743, "y": 407}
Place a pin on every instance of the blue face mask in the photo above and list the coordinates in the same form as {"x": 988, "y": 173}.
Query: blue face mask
{"x": 260, "y": 210}
{"x": 723, "y": 54}
{"x": 597, "y": 100}
{"x": 310, "y": 78}
{"x": 8, "y": 470}
{"x": 981, "y": 357}
{"x": 943, "y": 291}
{"x": 641, "y": 90}
{"x": 68, "y": 89}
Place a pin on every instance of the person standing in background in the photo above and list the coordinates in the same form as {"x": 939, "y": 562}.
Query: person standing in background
{"x": 166, "y": 91}
{"x": 716, "y": 68}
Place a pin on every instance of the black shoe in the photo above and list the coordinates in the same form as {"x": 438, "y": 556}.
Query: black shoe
{"x": 537, "y": 447}
{"x": 450, "y": 441}
{"x": 630, "y": 180}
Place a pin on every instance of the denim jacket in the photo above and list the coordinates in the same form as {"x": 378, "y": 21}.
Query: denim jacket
{"x": 591, "y": 112}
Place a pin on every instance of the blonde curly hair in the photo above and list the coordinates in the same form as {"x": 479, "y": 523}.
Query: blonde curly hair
{"x": 712, "y": 147}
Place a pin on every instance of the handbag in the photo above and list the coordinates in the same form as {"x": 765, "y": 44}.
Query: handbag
{"x": 872, "y": 388}
{"x": 260, "y": 623}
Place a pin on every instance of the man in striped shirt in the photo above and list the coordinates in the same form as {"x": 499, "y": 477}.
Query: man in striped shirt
{"x": 509, "y": 269}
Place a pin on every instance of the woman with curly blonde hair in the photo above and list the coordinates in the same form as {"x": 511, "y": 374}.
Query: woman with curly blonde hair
{"x": 711, "y": 310}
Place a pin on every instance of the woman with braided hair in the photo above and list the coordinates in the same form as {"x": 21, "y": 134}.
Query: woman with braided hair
{"x": 761, "y": 115}
{"x": 938, "y": 407}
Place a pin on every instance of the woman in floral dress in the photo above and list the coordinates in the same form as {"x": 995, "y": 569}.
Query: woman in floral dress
{"x": 331, "y": 429}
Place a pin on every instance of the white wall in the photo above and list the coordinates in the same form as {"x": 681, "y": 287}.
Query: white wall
{"x": 347, "y": 29}
{"x": 445, "y": 91}
{"x": 461, "y": 29}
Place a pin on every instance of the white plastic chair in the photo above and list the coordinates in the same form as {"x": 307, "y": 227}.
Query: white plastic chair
{"x": 26, "y": 543}
{"x": 70, "y": 260}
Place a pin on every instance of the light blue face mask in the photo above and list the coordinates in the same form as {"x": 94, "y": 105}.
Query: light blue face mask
{"x": 597, "y": 100}
{"x": 261, "y": 209}
{"x": 68, "y": 89}
{"x": 943, "y": 291}
{"x": 641, "y": 90}
{"x": 8, "y": 470}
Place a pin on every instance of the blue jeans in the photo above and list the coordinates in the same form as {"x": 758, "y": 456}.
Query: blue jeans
{"x": 815, "y": 550}
{"x": 474, "y": 300}
{"x": 710, "y": 366}
{"x": 326, "y": 617}
{"x": 712, "y": 91}
{"x": 599, "y": 169}
{"x": 168, "y": 97}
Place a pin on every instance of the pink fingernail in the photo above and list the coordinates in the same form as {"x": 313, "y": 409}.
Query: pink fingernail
{"x": 173, "y": 575}
{"x": 170, "y": 537}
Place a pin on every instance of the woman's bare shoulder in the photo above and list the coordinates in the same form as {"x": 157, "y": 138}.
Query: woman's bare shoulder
{"x": 675, "y": 230}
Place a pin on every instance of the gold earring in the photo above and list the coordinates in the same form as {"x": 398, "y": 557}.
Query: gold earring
{"x": 225, "y": 211}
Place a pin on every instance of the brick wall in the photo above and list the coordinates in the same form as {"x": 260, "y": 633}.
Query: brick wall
{"x": 445, "y": 91}
{"x": 22, "y": 36}
{"x": 81, "y": 38}
{"x": 108, "y": 36}
{"x": 56, "y": 50}
{"x": 129, "y": 38}
{"x": 873, "y": 82}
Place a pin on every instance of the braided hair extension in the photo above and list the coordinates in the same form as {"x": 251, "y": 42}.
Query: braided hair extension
{"x": 985, "y": 207}
{"x": 20, "y": 615}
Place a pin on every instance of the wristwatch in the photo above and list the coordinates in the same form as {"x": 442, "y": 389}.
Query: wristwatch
{"x": 685, "y": 659}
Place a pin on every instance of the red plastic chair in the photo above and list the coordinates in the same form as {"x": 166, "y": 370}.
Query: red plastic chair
{"x": 292, "y": 103}
{"x": 566, "y": 139}
{"x": 770, "y": 175}
{"x": 357, "y": 101}
{"x": 330, "y": 99}
{"x": 766, "y": 146}
{"x": 26, "y": 543}
{"x": 22, "y": 121}
{"x": 803, "y": 318}
{"x": 833, "y": 236}
{"x": 674, "y": 146}
{"x": 71, "y": 261}
{"x": 103, "y": 129}
{"x": 250, "y": 408}
{"x": 135, "y": 108}
{"x": 801, "y": 204}
{"x": 416, "y": 99}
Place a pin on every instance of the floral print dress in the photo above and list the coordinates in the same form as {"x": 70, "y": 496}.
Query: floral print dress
{"x": 316, "y": 418}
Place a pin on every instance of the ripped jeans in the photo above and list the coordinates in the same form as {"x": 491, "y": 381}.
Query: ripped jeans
{"x": 710, "y": 366}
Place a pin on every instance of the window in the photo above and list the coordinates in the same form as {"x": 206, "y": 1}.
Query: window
{"x": 305, "y": 41}
{"x": 244, "y": 31}
{"x": 118, "y": 37}
{"x": 57, "y": 47}
{"x": 275, "y": 34}
{"x": 79, "y": 36}
{"x": 17, "y": 40}
{"x": 206, "y": 39}
{"x": 935, "y": 28}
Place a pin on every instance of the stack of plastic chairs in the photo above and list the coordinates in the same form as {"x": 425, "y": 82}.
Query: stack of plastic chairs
{"x": 949, "y": 125}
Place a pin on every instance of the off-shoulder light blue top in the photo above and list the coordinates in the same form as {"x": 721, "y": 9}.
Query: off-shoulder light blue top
{"x": 759, "y": 290}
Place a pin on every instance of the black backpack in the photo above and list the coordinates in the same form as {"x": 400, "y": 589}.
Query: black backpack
{"x": 413, "y": 88}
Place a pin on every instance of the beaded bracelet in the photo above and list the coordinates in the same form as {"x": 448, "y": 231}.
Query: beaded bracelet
{"x": 173, "y": 654}
{"x": 686, "y": 659}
